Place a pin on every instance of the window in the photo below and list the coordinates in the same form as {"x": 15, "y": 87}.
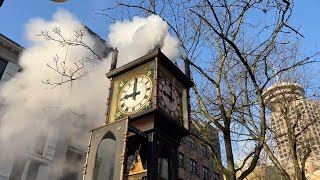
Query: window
{"x": 163, "y": 168}
{"x": 33, "y": 170}
{"x": 190, "y": 143}
{"x": 17, "y": 168}
{"x": 193, "y": 166}
{"x": 40, "y": 144}
{"x": 203, "y": 150}
{"x": 3, "y": 65}
{"x": 104, "y": 164}
{"x": 73, "y": 164}
{"x": 180, "y": 159}
{"x": 205, "y": 173}
{"x": 216, "y": 176}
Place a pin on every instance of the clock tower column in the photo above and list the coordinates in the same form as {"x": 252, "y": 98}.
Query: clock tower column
{"x": 148, "y": 114}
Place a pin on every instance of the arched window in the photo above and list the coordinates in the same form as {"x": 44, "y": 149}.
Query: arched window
{"x": 104, "y": 164}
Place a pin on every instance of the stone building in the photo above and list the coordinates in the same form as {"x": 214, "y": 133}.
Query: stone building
{"x": 9, "y": 54}
{"x": 52, "y": 156}
{"x": 293, "y": 113}
{"x": 194, "y": 158}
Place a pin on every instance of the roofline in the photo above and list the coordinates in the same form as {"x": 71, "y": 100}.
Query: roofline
{"x": 11, "y": 41}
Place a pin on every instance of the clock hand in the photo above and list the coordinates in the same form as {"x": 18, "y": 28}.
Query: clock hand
{"x": 168, "y": 96}
{"x": 131, "y": 95}
{"x": 134, "y": 93}
{"x": 127, "y": 96}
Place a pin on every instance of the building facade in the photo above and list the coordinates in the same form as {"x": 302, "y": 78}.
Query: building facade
{"x": 294, "y": 114}
{"x": 9, "y": 55}
{"x": 264, "y": 172}
{"x": 52, "y": 156}
{"x": 195, "y": 160}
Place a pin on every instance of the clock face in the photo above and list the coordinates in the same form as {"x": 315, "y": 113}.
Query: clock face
{"x": 135, "y": 94}
{"x": 170, "y": 98}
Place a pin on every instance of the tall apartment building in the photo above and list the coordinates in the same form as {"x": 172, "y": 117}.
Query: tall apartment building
{"x": 194, "y": 157}
{"x": 292, "y": 111}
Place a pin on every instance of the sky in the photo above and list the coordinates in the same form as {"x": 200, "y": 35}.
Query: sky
{"x": 14, "y": 14}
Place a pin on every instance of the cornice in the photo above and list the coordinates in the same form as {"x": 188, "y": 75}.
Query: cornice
{"x": 9, "y": 50}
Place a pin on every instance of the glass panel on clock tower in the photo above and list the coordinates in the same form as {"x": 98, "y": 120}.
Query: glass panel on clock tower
{"x": 104, "y": 165}
{"x": 163, "y": 168}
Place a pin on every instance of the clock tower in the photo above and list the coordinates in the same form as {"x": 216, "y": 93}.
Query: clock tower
{"x": 148, "y": 114}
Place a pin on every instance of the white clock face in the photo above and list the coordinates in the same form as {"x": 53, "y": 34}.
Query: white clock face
{"x": 135, "y": 94}
{"x": 170, "y": 98}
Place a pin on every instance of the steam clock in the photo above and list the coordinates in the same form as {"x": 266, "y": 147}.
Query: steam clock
{"x": 148, "y": 114}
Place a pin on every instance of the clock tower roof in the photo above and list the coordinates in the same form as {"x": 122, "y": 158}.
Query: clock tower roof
{"x": 147, "y": 58}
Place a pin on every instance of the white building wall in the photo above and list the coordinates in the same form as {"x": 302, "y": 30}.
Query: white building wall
{"x": 9, "y": 72}
{"x": 44, "y": 173}
{"x": 5, "y": 168}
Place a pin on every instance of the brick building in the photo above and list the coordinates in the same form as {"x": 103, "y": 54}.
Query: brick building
{"x": 194, "y": 157}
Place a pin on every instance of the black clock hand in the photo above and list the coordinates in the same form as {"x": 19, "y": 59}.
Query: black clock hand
{"x": 134, "y": 93}
{"x": 131, "y": 95}
{"x": 168, "y": 96}
{"x": 135, "y": 88}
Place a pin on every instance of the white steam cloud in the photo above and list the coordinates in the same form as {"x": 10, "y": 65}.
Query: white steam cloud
{"x": 137, "y": 37}
{"x": 29, "y": 107}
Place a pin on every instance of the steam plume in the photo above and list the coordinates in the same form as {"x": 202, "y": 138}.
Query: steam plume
{"x": 30, "y": 108}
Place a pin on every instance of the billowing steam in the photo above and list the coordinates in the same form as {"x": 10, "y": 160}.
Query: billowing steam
{"x": 30, "y": 108}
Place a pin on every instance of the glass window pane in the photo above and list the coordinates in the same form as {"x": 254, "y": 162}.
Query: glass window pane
{"x": 3, "y": 65}
{"x": 180, "y": 159}
{"x": 72, "y": 165}
{"x": 33, "y": 170}
{"x": 205, "y": 172}
{"x": 104, "y": 165}
{"x": 164, "y": 168}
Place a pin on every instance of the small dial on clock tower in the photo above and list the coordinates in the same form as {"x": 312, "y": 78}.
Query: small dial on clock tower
{"x": 170, "y": 98}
